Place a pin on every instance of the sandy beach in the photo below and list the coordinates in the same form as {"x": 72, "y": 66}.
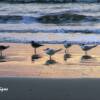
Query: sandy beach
{"x": 52, "y": 23}
{"x": 18, "y": 62}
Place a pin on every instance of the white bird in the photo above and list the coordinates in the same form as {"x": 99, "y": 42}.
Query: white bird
{"x": 51, "y": 52}
{"x": 67, "y": 45}
{"x": 87, "y": 47}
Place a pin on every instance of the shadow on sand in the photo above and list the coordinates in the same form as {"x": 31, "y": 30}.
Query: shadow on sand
{"x": 67, "y": 56}
{"x": 87, "y": 58}
{"x": 2, "y": 59}
{"x": 50, "y": 62}
{"x": 12, "y": 58}
{"x": 35, "y": 57}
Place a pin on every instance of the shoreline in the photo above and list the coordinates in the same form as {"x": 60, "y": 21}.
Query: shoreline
{"x": 50, "y": 38}
{"x": 57, "y": 42}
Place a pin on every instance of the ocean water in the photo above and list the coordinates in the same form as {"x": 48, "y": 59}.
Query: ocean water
{"x": 23, "y": 22}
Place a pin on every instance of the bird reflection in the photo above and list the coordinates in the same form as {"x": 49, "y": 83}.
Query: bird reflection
{"x": 34, "y": 57}
{"x": 49, "y": 62}
{"x": 86, "y": 57}
{"x": 2, "y": 59}
{"x": 66, "y": 56}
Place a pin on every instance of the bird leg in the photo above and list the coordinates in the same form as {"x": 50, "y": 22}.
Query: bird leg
{"x": 1, "y": 53}
{"x": 50, "y": 58}
{"x": 35, "y": 51}
{"x": 67, "y": 51}
{"x": 86, "y": 53}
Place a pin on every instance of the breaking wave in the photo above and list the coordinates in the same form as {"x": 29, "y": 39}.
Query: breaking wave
{"x": 60, "y": 17}
{"x": 63, "y": 17}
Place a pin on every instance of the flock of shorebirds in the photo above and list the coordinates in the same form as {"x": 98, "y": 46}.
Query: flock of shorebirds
{"x": 50, "y": 51}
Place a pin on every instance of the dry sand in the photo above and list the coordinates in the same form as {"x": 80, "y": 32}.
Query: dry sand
{"x": 19, "y": 63}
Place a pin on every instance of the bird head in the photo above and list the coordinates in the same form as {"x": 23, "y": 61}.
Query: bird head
{"x": 82, "y": 44}
{"x": 32, "y": 41}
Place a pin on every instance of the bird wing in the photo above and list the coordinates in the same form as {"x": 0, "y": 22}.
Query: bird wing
{"x": 35, "y": 44}
{"x": 58, "y": 50}
{"x": 88, "y": 47}
{"x": 93, "y": 46}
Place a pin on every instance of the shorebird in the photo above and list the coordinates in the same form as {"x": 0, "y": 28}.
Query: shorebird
{"x": 67, "y": 45}
{"x": 51, "y": 52}
{"x": 87, "y": 48}
{"x": 35, "y": 45}
{"x": 2, "y": 48}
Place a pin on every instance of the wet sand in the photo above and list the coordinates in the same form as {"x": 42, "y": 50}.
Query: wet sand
{"x": 18, "y": 62}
